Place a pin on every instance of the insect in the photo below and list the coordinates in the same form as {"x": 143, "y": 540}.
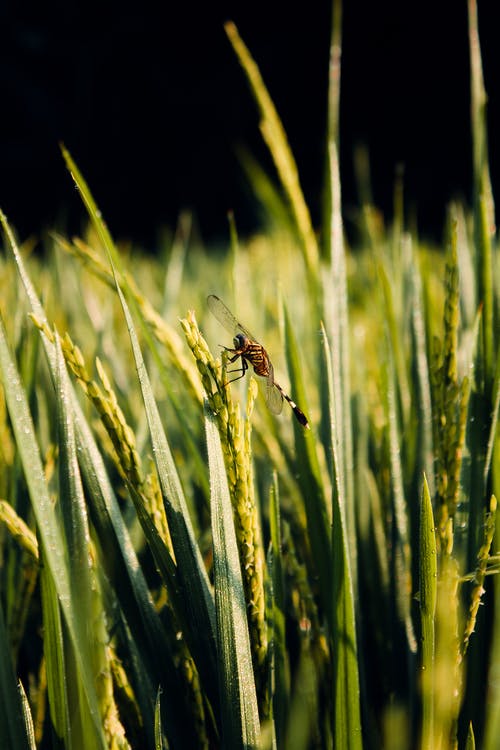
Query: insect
{"x": 251, "y": 352}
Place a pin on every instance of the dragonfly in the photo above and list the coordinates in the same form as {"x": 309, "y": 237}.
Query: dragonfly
{"x": 250, "y": 352}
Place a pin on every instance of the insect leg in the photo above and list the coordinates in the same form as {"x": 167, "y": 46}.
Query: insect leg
{"x": 242, "y": 369}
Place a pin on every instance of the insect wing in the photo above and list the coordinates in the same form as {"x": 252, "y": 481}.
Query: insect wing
{"x": 226, "y": 317}
{"x": 274, "y": 399}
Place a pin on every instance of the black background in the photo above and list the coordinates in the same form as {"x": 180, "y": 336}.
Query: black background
{"x": 152, "y": 104}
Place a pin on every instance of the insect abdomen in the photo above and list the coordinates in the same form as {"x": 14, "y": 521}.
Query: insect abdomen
{"x": 257, "y": 356}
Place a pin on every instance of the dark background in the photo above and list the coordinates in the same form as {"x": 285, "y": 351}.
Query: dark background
{"x": 152, "y": 104}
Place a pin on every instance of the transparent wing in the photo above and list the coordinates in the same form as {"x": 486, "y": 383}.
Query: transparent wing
{"x": 226, "y": 317}
{"x": 274, "y": 398}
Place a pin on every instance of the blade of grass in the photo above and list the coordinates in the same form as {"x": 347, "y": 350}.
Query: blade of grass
{"x": 484, "y": 208}
{"x": 28, "y": 719}
{"x": 87, "y": 604}
{"x": 337, "y": 325}
{"x": 281, "y": 686}
{"x": 120, "y": 561}
{"x": 427, "y": 604}
{"x": 422, "y": 377}
{"x": 331, "y": 195}
{"x": 53, "y": 648}
{"x": 310, "y": 476}
{"x": 192, "y": 577}
{"x": 43, "y": 509}
{"x": 403, "y": 552}
{"x": 275, "y": 137}
{"x": 240, "y": 716}
{"x": 346, "y": 718}
{"x": 12, "y": 728}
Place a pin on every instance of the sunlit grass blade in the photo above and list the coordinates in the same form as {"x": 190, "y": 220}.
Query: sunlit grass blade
{"x": 423, "y": 387}
{"x": 346, "y": 717}
{"x": 281, "y": 675}
{"x": 53, "y": 644}
{"x": 13, "y": 732}
{"x": 120, "y": 561}
{"x": 28, "y": 719}
{"x": 309, "y": 476}
{"x": 240, "y": 716}
{"x": 276, "y": 140}
{"x": 158, "y": 727}
{"x": 470, "y": 743}
{"x": 484, "y": 207}
{"x": 50, "y": 535}
{"x": 89, "y": 613}
{"x": 336, "y": 318}
{"x": 427, "y": 603}
{"x": 402, "y": 557}
{"x": 479, "y": 99}
{"x": 192, "y": 576}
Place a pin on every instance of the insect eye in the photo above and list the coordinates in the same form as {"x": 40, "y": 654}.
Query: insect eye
{"x": 239, "y": 340}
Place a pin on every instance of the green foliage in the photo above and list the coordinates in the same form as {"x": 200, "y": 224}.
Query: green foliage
{"x": 182, "y": 568}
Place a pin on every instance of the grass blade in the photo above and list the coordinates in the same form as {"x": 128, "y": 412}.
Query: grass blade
{"x": 346, "y": 719}
{"x": 281, "y": 686}
{"x": 49, "y": 531}
{"x": 192, "y": 577}
{"x": 53, "y": 646}
{"x": 120, "y": 561}
{"x": 12, "y": 729}
{"x": 275, "y": 137}
{"x": 310, "y": 478}
{"x": 428, "y": 592}
{"x": 240, "y": 716}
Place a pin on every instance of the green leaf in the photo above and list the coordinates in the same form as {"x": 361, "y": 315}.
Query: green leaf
{"x": 309, "y": 475}
{"x": 53, "y": 647}
{"x": 158, "y": 727}
{"x": 427, "y": 603}
{"x": 281, "y": 692}
{"x": 50, "y": 535}
{"x": 240, "y": 716}
{"x": 28, "y": 719}
{"x": 192, "y": 577}
{"x": 193, "y": 584}
{"x": 120, "y": 559}
{"x": 12, "y": 727}
{"x": 84, "y": 596}
{"x": 346, "y": 720}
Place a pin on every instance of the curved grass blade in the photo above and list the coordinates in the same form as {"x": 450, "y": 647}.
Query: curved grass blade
{"x": 158, "y": 727}
{"x": 346, "y": 723}
{"x": 310, "y": 476}
{"x": 428, "y": 591}
{"x": 281, "y": 686}
{"x": 87, "y": 604}
{"x": 120, "y": 560}
{"x": 275, "y": 137}
{"x": 240, "y": 716}
{"x": 28, "y": 719}
{"x": 192, "y": 577}
{"x": 335, "y": 295}
{"x": 12, "y": 728}
{"x": 53, "y": 647}
{"x": 50, "y": 534}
